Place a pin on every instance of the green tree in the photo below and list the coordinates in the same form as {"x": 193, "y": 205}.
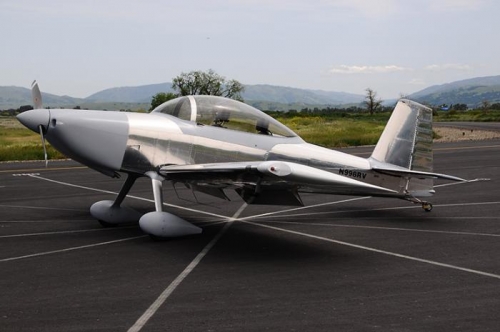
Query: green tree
{"x": 25, "y": 108}
{"x": 207, "y": 83}
{"x": 371, "y": 101}
{"x": 460, "y": 107}
{"x": 485, "y": 105}
{"x": 160, "y": 98}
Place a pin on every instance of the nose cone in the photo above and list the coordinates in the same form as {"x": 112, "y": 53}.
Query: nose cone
{"x": 34, "y": 118}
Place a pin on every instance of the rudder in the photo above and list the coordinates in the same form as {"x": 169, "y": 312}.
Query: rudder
{"x": 407, "y": 138}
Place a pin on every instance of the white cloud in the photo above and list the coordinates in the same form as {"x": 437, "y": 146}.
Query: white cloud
{"x": 448, "y": 66}
{"x": 345, "y": 69}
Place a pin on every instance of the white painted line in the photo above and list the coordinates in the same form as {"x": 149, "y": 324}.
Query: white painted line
{"x": 371, "y": 210}
{"x": 303, "y": 208}
{"x": 65, "y": 232}
{"x": 40, "y": 208}
{"x": 369, "y": 218}
{"x": 461, "y": 182}
{"x": 130, "y": 196}
{"x": 208, "y": 224}
{"x": 382, "y": 228}
{"x": 45, "y": 221}
{"x": 43, "y": 169}
{"x": 421, "y": 260}
{"x": 70, "y": 249}
{"x": 139, "y": 324}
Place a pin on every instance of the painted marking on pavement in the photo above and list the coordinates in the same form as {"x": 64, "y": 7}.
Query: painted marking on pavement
{"x": 42, "y": 169}
{"x": 70, "y": 249}
{"x": 139, "y": 324}
{"x": 65, "y": 232}
{"x": 389, "y": 253}
{"x": 383, "y": 228}
{"x": 303, "y": 208}
{"x": 39, "y": 208}
{"x": 377, "y": 209}
{"x": 130, "y": 196}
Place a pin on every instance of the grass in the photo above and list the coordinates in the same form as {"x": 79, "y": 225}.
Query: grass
{"x": 338, "y": 129}
{"x": 340, "y": 132}
{"x": 19, "y": 143}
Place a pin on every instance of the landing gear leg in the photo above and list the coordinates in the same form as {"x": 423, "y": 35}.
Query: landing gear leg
{"x": 127, "y": 185}
{"x": 161, "y": 224}
{"x": 111, "y": 213}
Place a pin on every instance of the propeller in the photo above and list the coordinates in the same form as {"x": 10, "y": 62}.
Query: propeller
{"x": 36, "y": 95}
{"x": 37, "y": 102}
{"x": 40, "y": 127}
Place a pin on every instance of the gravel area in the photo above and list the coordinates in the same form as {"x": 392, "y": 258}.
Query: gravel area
{"x": 458, "y": 134}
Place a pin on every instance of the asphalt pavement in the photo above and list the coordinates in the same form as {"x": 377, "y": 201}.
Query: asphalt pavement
{"x": 341, "y": 263}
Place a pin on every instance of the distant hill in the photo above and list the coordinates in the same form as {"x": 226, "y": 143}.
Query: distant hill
{"x": 268, "y": 97}
{"x": 287, "y": 95}
{"x": 274, "y": 97}
{"x": 252, "y": 93}
{"x": 14, "y": 97}
{"x": 471, "y": 92}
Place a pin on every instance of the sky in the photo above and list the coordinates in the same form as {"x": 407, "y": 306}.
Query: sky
{"x": 395, "y": 47}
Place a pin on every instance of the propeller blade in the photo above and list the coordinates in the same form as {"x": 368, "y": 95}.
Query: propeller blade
{"x": 43, "y": 144}
{"x": 36, "y": 95}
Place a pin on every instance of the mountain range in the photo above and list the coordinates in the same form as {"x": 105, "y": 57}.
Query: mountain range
{"x": 471, "y": 92}
{"x": 251, "y": 94}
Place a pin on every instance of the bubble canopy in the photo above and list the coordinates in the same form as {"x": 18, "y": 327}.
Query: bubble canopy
{"x": 224, "y": 113}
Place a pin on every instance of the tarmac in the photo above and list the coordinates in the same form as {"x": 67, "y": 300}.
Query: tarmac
{"x": 340, "y": 263}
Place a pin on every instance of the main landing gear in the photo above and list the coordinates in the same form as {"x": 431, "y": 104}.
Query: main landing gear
{"x": 158, "y": 224}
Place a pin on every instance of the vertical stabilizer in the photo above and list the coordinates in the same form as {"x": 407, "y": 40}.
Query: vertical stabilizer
{"x": 407, "y": 138}
{"x": 406, "y": 143}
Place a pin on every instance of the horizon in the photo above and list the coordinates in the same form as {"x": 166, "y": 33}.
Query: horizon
{"x": 77, "y": 49}
{"x": 292, "y": 87}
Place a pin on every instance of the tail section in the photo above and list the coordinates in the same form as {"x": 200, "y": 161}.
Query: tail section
{"x": 407, "y": 138}
{"x": 405, "y": 150}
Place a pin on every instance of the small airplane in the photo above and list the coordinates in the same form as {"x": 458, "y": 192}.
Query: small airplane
{"x": 212, "y": 144}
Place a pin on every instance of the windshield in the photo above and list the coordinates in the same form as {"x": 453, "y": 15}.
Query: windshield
{"x": 224, "y": 113}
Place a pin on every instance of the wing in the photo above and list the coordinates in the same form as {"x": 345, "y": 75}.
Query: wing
{"x": 267, "y": 182}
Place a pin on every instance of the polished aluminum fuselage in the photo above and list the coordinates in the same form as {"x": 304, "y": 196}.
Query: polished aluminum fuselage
{"x": 155, "y": 140}
{"x": 138, "y": 143}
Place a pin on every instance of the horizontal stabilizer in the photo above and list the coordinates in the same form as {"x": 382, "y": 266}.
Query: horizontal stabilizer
{"x": 415, "y": 174}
